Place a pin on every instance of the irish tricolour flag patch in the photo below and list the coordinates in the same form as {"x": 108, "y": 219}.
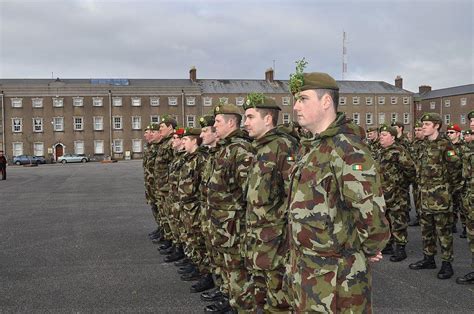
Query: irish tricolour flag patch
{"x": 451, "y": 153}
{"x": 357, "y": 167}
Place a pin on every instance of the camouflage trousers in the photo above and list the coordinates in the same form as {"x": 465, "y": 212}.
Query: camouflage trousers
{"x": 417, "y": 199}
{"x": 458, "y": 209}
{"x": 437, "y": 226}
{"x": 398, "y": 220}
{"x": 237, "y": 276}
{"x": 174, "y": 219}
{"x": 329, "y": 284}
{"x": 191, "y": 232}
{"x": 468, "y": 204}
{"x": 163, "y": 215}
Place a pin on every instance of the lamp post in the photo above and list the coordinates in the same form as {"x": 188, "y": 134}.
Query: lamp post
{"x": 3, "y": 124}
{"x": 111, "y": 145}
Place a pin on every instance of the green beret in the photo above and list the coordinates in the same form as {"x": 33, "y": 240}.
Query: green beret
{"x": 431, "y": 116}
{"x": 468, "y": 132}
{"x": 317, "y": 80}
{"x": 470, "y": 115}
{"x": 389, "y": 129}
{"x": 169, "y": 120}
{"x": 258, "y": 100}
{"x": 206, "y": 121}
{"x": 153, "y": 127}
{"x": 398, "y": 123}
{"x": 227, "y": 109}
{"x": 418, "y": 124}
{"x": 371, "y": 129}
{"x": 192, "y": 131}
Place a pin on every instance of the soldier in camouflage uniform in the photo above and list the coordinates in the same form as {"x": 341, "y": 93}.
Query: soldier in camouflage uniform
{"x": 373, "y": 142}
{"x": 336, "y": 206}
{"x": 468, "y": 196}
{"x": 396, "y": 167}
{"x": 438, "y": 180}
{"x": 265, "y": 247}
{"x": 226, "y": 201}
{"x": 415, "y": 151}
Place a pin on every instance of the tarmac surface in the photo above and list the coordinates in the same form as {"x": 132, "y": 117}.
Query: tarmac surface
{"x": 73, "y": 239}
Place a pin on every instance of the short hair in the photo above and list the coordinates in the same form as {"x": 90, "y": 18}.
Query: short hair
{"x": 197, "y": 138}
{"x": 272, "y": 112}
{"x": 334, "y": 94}
{"x": 173, "y": 123}
{"x": 237, "y": 118}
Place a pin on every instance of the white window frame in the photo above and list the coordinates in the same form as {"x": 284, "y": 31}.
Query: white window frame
{"x": 447, "y": 103}
{"x": 356, "y": 118}
{"x": 118, "y": 146}
{"x": 137, "y": 146}
{"x": 37, "y": 128}
{"x": 356, "y": 100}
{"x": 154, "y": 101}
{"x": 463, "y": 101}
{"x": 432, "y": 105}
{"x": 36, "y": 150}
{"x": 190, "y": 121}
{"x": 239, "y": 101}
{"x": 381, "y": 100}
{"x": 381, "y": 118}
{"x": 223, "y": 100}
{"x": 393, "y": 100}
{"x": 418, "y": 107}
{"x": 78, "y": 125}
{"x": 58, "y": 124}
{"x": 96, "y": 151}
{"x": 369, "y": 101}
{"x": 462, "y": 118}
{"x": 369, "y": 118}
{"x": 285, "y": 101}
{"x": 79, "y": 147}
{"x": 172, "y": 101}
{"x": 97, "y": 101}
{"x": 190, "y": 101}
{"x": 117, "y": 125}
{"x": 37, "y": 102}
{"x": 342, "y": 101}
{"x": 58, "y": 102}
{"x": 286, "y": 118}
{"x": 17, "y": 149}
{"x": 136, "y": 122}
{"x": 98, "y": 123}
{"x": 207, "y": 101}
{"x": 17, "y": 125}
{"x": 117, "y": 102}
{"x": 136, "y": 102}
{"x": 78, "y": 101}
{"x": 406, "y": 100}
{"x": 406, "y": 118}
{"x": 154, "y": 118}
{"x": 447, "y": 118}
{"x": 17, "y": 102}
{"x": 393, "y": 117}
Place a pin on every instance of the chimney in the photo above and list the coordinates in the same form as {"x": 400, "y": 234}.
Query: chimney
{"x": 192, "y": 74}
{"x": 399, "y": 82}
{"x": 424, "y": 89}
{"x": 269, "y": 75}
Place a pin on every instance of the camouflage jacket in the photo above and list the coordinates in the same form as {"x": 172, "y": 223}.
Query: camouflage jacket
{"x": 439, "y": 174}
{"x": 375, "y": 148}
{"x": 268, "y": 185}
{"x": 206, "y": 174}
{"x": 174, "y": 172}
{"x": 336, "y": 204}
{"x": 396, "y": 167}
{"x": 163, "y": 159}
{"x": 149, "y": 156}
{"x": 468, "y": 177}
{"x": 189, "y": 180}
{"x": 404, "y": 142}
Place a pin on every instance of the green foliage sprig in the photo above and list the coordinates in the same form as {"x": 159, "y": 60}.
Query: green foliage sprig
{"x": 296, "y": 79}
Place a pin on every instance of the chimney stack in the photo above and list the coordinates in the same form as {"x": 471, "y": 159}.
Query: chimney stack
{"x": 399, "y": 82}
{"x": 192, "y": 74}
{"x": 424, "y": 89}
{"x": 269, "y": 75}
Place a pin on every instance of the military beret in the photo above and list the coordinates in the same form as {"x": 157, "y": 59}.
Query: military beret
{"x": 418, "y": 124}
{"x": 153, "y": 127}
{"x": 468, "y": 132}
{"x": 179, "y": 132}
{"x": 389, "y": 129}
{"x": 454, "y": 127}
{"x": 371, "y": 129}
{"x": 227, "y": 109}
{"x": 431, "y": 116}
{"x": 397, "y": 123}
{"x": 470, "y": 115}
{"x": 317, "y": 80}
{"x": 258, "y": 100}
{"x": 206, "y": 121}
{"x": 169, "y": 120}
{"x": 192, "y": 131}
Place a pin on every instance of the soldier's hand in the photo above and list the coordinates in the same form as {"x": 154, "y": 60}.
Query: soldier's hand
{"x": 376, "y": 258}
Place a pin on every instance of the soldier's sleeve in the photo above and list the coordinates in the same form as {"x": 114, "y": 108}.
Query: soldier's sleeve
{"x": 362, "y": 194}
{"x": 243, "y": 160}
{"x": 454, "y": 167}
{"x": 407, "y": 165}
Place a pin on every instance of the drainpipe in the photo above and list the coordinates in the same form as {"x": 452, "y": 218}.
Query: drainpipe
{"x": 110, "y": 125}
{"x": 182, "y": 109}
{"x": 3, "y": 125}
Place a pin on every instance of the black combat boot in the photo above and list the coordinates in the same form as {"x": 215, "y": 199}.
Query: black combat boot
{"x": 399, "y": 255}
{"x": 186, "y": 269}
{"x": 168, "y": 251}
{"x": 192, "y": 276}
{"x": 212, "y": 295}
{"x": 185, "y": 261}
{"x": 221, "y": 306}
{"x": 467, "y": 279}
{"x": 388, "y": 250}
{"x": 463, "y": 234}
{"x": 154, "y": 233}
{"x": 177, "y": 255}
{"x": 159, "y": 238}
{"x": 446, "y": 271}
{"x": 205, "y": 283}
{"x": 166, "y": 245}
{"x": 428, "y": 262}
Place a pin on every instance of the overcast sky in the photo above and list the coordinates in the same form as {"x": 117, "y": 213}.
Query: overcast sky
{"x": 426, "y": 42}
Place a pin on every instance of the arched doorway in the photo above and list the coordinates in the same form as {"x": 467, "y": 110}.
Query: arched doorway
{"x": 58, "y": 150}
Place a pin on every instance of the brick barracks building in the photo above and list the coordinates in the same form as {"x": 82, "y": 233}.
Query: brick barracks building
{"x": 107, "y": 117}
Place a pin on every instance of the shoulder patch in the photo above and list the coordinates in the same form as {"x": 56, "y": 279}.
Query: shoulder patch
{"x": 357, "y": 167}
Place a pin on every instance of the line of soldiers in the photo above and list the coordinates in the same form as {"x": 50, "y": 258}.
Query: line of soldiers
{"x": 440, "y": 170}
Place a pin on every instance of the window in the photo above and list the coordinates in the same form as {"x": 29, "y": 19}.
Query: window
{"x": 118, "y": 146}
{"x": 224, "y": 100}
{"x": 432, "y": 105}
{"x": 116, "y": 102}
{"x": 369, "y": 101}
{"x": 155, "y": 119}
{"x": 136, "y": 101}
{"x": 286, "y": 118}
{"x": 463, "y": 119}
{"x": 38, "y": 149}
{"x": 447, "y": 118}
{"x": 37, "y": 124}
{"x": 58, "y": 102}
{"x": 342, "y": 101}
{"x": 98, "y": 123}
{"x": 17, "y": 102}
{"x": 137, "y": 146}
{"x": 136, "y": 123}
{"x": 393, "y": 100}
{"x": 406, "y": 118}
{"x": 58, "y": 124}
{"x": 239, "y": 101}
{"x": 154, "y": 101}
{"x": 17, "y": 125}
{"x": 381, "y": 118}
{"x": 79, "y": 147}
{"x": 356, "y": 100}
{"x": 447, "y": 103}
{"x": 37, "y": 102}
{"x": 394, "y": 117}
{"x": 172, "y": 101}
{"x": 463, "y": 101}
{"x": 381, "y": 100}
{"x": 78, "y": 123}
{"x": 190, "y": 101}
{"x": 78, "y": 101}
{"x": 207, "y": 101}
{"x": 285, "y": 101}
{"x": 369, "y": 118}
{"x": 356, "y": 117}
{"x": 117, "y": 123}
{"x": 17, "y": 148}
{"x": 418, "y": 107}
{"x": 406, "y": 100}
{"x": 98, "y": 101}
{"x": 98, "y": 147}
{"x": 190, "y": 121}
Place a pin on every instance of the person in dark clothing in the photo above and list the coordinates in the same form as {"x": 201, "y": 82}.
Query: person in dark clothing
{"x": 3, "y": 165}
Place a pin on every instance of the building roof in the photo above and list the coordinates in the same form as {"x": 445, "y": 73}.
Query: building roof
{"x": 369, "y": 87}
{"x": 242, "y": 86}
{"x": 446, "y": 92}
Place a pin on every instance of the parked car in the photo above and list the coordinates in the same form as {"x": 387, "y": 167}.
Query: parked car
{"x": 27, "y": 159}
{"x": 72, "y": 158}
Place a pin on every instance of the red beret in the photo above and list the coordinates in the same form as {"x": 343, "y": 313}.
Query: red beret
{"x": 454, "y": 127}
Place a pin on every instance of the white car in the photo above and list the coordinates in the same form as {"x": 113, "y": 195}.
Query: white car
{"x": 73, "y": 158}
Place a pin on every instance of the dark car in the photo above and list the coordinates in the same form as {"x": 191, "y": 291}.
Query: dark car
{"x": 27, "y": 159}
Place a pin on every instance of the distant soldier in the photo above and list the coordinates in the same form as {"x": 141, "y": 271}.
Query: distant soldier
{"x": 265, "y": 247}
{"x": 402, "y": 138}
{"x": 373, "y": 141}
{"x": 336, "y": 206}
{"x": 396, "y": 167}
{"x": 403, "y": 141}
{"x": 415, "y": 150}
{"x": 438, "y": 179}
{"x": 3, "y": 165}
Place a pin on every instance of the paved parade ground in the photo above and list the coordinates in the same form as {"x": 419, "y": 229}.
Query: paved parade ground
{"x": 73, "y": 238}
